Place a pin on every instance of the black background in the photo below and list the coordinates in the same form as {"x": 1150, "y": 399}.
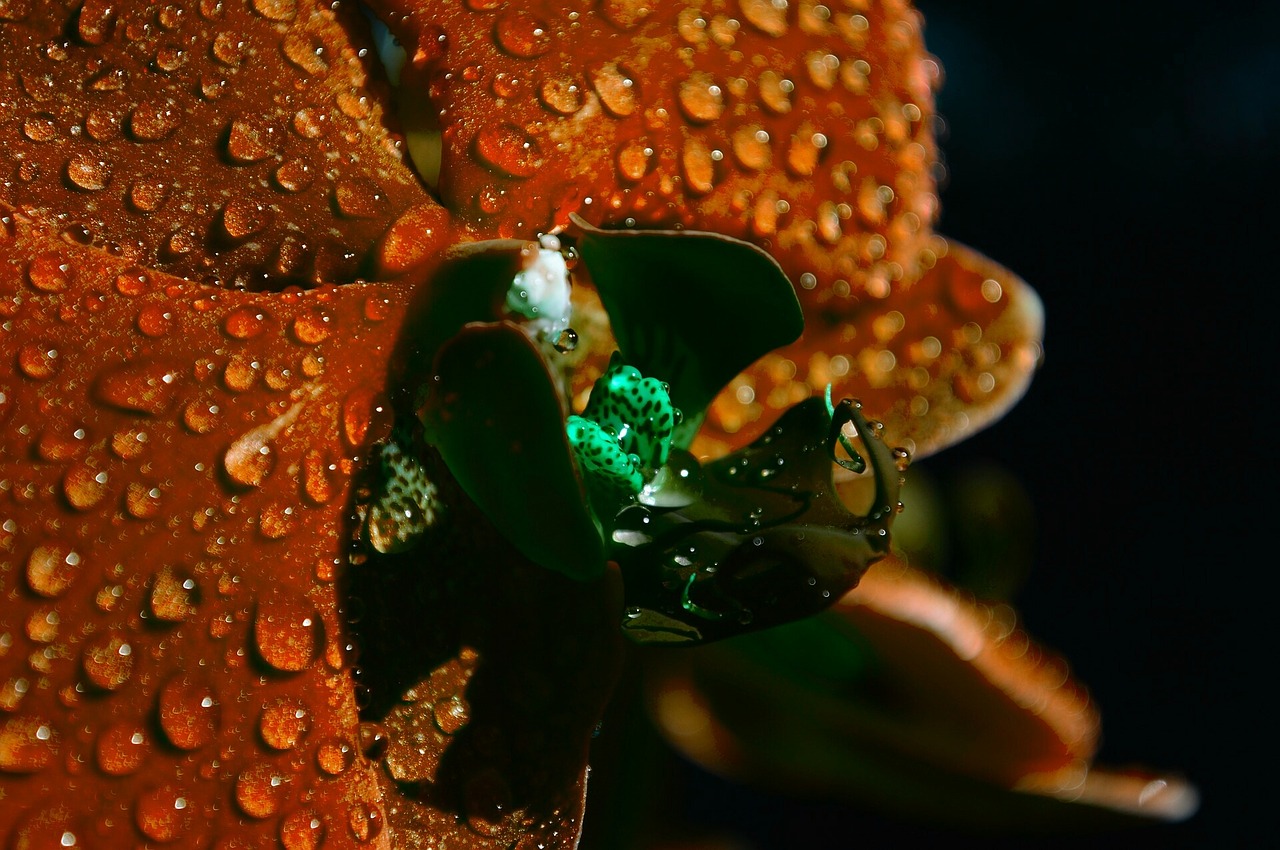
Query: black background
{"x": 1122, "y": 159}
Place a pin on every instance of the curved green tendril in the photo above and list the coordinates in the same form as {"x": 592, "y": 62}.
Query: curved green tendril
{"x": 854, "y": 462}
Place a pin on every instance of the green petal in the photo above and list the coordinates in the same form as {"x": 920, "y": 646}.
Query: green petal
{"x": 497, "y": 419}
{"x": 692, "y": 309}
{"x": 762, "y": 537}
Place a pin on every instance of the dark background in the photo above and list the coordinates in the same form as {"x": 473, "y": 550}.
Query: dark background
{"x": 1122, "y": 159}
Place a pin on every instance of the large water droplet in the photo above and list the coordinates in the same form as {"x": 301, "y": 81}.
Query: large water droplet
{"x": 261, "y": 789}
{"x": 244, "y": 323}
{"x": 84, "y": 487}
{"x": 701, "y": 99}
{"x": 294, "y": 175}
{"x": 27, "y": 744}
{"x": 365, "y": 821}
{"x": 283, "y": 723}
{"x": 189, "y": 713}
{"x": 121, "y": 748}
{"x": 616, "y": 90}
{"x": 50, "y": 272}
{"x": 147, "y": 388}
{"x": 768, "y": 16}
{"x": 164, "y": 814}
{"x": 335, "y": 756}
{"x": 250, "y": 459}
{"x": 302, "y": 830}
{"x": 360, "y": 198}
{"x": 175, "y": 595}
{"x": 561, "y": 95}
{"x": 313, "y": 327}
{"x": 698, "y": 165}
{"x": 751, "y": 147}
{"x": 51, "y": 569}
{"x": 154, "y": 320}
{"x": 286, "y": 631}
{"x": 243, "y": 218}
{"x": 246, "y": 143}
{"x": 38, "y": 360}
{"x": 507, "y": 150}
{"x": 154, "y": 120}
{"x": 108, "y": 662}
{"x": 276, "y": 10}
{"x": 522, "y": 35}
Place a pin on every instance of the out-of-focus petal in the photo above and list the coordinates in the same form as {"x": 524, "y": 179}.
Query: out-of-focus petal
{"x": 956, "y": 715}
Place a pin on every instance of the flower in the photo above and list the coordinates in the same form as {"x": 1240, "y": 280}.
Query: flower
{"x": 217, "y": 294}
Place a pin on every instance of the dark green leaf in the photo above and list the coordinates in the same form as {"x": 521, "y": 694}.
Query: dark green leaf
{"x": 693, "y": 309}
{"x": 498, "y": 420}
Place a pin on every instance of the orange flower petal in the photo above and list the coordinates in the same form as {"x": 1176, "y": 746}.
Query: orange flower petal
{"x": 963, "y": 710}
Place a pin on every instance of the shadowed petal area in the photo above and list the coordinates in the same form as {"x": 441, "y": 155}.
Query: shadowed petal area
{"x": 243, "y": 144}
{"x": 910, "y": 697}
{"x": 174, "y": 488}
{"x": 934, "y": 363}
{"x": 486, "y": 675}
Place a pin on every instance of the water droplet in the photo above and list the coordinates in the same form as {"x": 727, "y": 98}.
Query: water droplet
{"x": 698, "y": 165}
{"x": 154, "y": 120}
{"x": 40, "y": 127}
{"x": 768, "y": 16}
{"x": 250, "y": 459}
{"x": 633, "y": 160}
{"x": 616, "y": 90}
{"x": 121, "y": 748}
{"x": 522, "y": 35}
{"x": 50, "y": 272}
{"x": 107, "y": 662}
{"x": 189, "y": 713}
{"x": 286, "y": 631}
{"x": 284, "y": 723}
{"x": 751, "y": 147}
{"x": 154, "y": 320}
{"x": 561, "y": 95}
{"x": 335, "y": 756}
{"x": 170, "y": 58}
{"x": 305, "y": 51}
{"x": 567, "y": 341}
{"x": 148, "y": 195}
{"x": 175, "y": 595}
{"x": 506, "y": 150}
{"x": 377, "y": 308}
{"x": 139, "y": 387}
{"x": 38, "y": 360}
{"x": 312, "y": 327}
{"x": 276, "y": 10}
{"x": 84, "y": 487}
{"x": 246, "y": 143}
{"x": 365, "y": 821}
{"x": 200, "y": 417}
{"x": 775, "y": 92}
{"x": 27, "y": 744}
{"x": 302, "y": 830}
{"x": 450, "y": 714}
{"x": 244, "y": 323}
{"x": 294, "y": 175}
{"x": 261, "y": 789}
{"x": 316, "y": 484}
{"x": 163, "y": 814}
{"x": 51, "y": 569}
{"x": 243, "y": 218}
{"x": 701, "y": 99}
{"x": 360, "y": 198}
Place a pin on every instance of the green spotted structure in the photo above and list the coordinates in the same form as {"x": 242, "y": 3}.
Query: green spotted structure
{"x": 623, "y": 437}
{"x": 602, "y": 459}
{"x": 637, "y": 409}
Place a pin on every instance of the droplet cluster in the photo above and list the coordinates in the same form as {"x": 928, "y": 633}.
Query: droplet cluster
{"x": 177, "y": 462}
{"x": 226, "y": 141}
{"x": 804, "y": 127}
